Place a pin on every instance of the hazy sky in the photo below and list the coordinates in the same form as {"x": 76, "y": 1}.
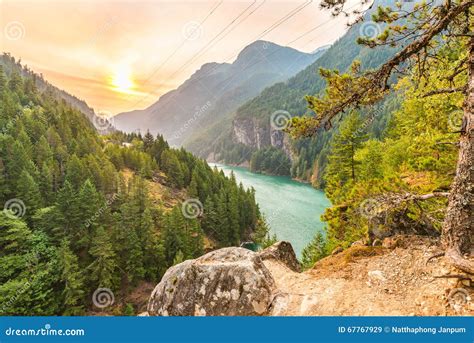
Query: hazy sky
{"x": 122, "y": 55}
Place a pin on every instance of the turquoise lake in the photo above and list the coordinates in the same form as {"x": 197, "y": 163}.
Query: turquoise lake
{"x": 292, "y": 209}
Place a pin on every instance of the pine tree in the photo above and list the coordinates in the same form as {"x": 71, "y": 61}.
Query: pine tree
{"x": 28, "y": 191}
{"x": 172, "y": 167}
{"x": 134, "y": 262}
{"x": 102, "y": 271}
{"x": 4, "y": 186}
{"x": 73, "y": 281}
{"x": 16, "y": 162}
{"x": 314, "y": 251}
{"x": 341, "y": 168}
{"x": 46, "y": 184}
{"x": 75, "y": 172}
{"x": 148, "y": 141}
{"x": 223, "y": 224}
{"x": 3, "y": 80}
{"x": 233, "y": 216}
{"x": 178, "y": 258}
{"x": 89, "y": 204}
{"x": 195, "y": 244}
{"x": 15, "y": 83}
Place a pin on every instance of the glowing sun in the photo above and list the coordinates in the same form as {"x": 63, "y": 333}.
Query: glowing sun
{"x": 122, "y": 79}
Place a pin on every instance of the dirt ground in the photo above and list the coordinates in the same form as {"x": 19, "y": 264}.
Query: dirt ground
{"x": 395, "y": 280}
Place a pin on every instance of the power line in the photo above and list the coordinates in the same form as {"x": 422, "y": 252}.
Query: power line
{"x": 272, "y": 27}
{"x": 183, "y": 42}
{"x": 209, "y": 44}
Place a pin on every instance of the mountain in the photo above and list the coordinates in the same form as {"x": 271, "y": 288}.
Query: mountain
{"x": 236, "y": 138}
{"x": 10, "y": 64}
{"x": 215, "y": 90}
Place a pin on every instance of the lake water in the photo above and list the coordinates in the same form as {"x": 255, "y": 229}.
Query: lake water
{"x": 292, "y": 209}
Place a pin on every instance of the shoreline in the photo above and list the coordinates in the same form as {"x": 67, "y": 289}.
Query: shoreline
{"x": 246, "y": 166}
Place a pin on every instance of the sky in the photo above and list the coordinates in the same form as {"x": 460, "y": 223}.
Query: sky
{"x": 122, "y": 55}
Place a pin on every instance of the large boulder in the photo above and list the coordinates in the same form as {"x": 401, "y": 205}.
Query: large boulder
{"x": 282, "y": 251}
{"x": 228, "y": 282}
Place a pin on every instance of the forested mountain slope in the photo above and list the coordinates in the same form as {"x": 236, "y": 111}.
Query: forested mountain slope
{"x": 251, "y": 128}
{"x": 83, "y": 212}
{"x": 9, "y": 65}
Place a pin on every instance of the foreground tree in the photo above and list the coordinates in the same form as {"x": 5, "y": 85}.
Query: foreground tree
{"x": 418, "y": 31}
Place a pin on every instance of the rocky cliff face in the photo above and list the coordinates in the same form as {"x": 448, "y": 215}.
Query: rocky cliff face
{"x": 251, "y": 133}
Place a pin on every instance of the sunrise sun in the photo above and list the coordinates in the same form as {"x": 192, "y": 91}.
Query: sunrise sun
{"x": 122, "y": 79}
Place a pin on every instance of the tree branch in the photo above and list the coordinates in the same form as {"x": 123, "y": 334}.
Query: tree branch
{"x": 380, "y": 77}
{"x": 445, "y": 91}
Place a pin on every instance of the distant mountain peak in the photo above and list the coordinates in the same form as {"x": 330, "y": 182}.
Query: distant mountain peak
{"x": 226, "y": 86}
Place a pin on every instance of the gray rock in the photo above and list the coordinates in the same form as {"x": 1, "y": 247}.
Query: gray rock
{"x": 283, "y": 252}
{"x": 229, "y": 282}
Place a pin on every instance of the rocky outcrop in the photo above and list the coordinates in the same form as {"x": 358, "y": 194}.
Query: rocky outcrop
{"x": 282, "y": 252}
{"x": 229, "y": 282}
{"x": 236, "y": 281}
{"x": 249, "y": 132}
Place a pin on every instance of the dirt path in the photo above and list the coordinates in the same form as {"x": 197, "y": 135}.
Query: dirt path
{"x": 390, "y": 281}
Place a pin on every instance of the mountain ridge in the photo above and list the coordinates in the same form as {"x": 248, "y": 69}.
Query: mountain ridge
{"x": 10, "y": 63}
{"x": 224, "y": 85}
